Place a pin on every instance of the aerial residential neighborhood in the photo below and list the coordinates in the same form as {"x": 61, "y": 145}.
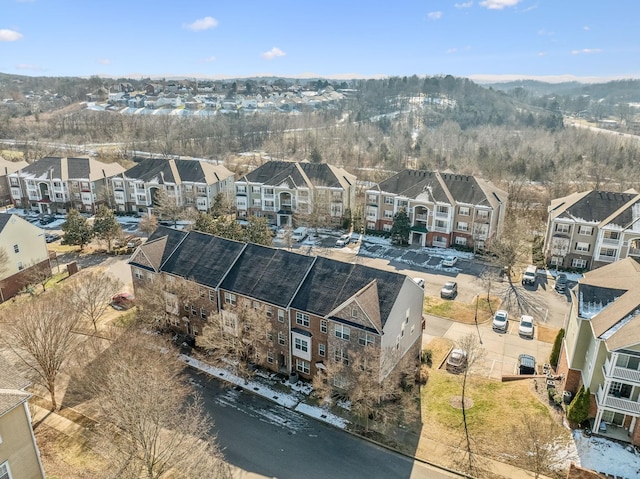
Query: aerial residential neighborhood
{"x": 319, "y": 241}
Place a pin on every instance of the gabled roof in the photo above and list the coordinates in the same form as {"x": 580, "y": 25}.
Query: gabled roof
{"x": 12, "y": 387}
{"x": 443, "y": 187}
{"x": 70, "y": 169}
{"x": 330, "y": 283}
{"x": 616, "y": 287}
{"x": 4, "y": 219}
{"x": 602, "y": 207}
{"x": 300, "y": 174}
{"x": 203, "y": 258}
{"x": 161, "y": 171}
{"x": 267, "y": 274}
{"x": 173, "y": 238}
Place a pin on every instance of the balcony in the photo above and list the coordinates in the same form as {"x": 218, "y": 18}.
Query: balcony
{"x": 624, "y": 374}
{"x": 611, "y": 241}
{"x": 619, "y": 404}
{"x": 634, "y": 252}
{"x": 422, "y": 217}
{"x": 606, "y": 259}
{"x": 441, "y": 215}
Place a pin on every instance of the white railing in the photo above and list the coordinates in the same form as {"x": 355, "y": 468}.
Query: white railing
{"x": 617, "y": 372}
{"x": 606, "y": 259}
{"x": 422, "y": 217}
{"x": 634, "y": 252}
{"x": 610, "y": 241}
{"x": 441, "y": 229}
{"x": 620, "y": 404}
{"x": 441, "y": 215}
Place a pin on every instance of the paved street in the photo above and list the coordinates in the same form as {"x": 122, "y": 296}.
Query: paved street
{"x": 261, "y": 437}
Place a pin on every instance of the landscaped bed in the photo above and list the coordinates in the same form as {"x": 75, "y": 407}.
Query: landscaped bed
{"x": 462, "y": 312}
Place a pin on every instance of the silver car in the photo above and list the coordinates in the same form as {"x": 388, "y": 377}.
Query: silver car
{"x": 500, "y": 321}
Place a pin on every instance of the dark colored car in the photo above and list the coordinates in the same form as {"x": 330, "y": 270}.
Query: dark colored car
{"x": 526, "y": 364}
{"x": 46, "y": 219}
{"x": 561, "y": 283}
{"x": 51, "y": 237}
{"x": 449, "y": 290}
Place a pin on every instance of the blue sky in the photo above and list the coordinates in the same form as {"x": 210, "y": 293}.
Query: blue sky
{"x": 481, "y": 39}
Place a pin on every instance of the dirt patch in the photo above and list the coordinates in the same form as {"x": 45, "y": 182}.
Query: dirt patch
{"x": 456, "y": 402}
{"x": 547, "y": 334}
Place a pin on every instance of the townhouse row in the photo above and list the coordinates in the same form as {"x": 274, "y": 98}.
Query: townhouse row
{"x": 319, "y": 309}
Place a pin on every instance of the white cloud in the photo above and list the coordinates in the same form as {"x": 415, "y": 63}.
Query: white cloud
{"x": 451, "y": 50}
{"x": 434, "y": 15}
{"x": 545, "y": 33}
{"x": 499, "y": 4}
{"x": 542, "y": 54}
{"x": 586, "y": 51}
{"x": 9, "y": 35}
{"x": 273, "y": 53}
{"x": 210, "y": 59}
{"x": 104, "y": 61}
{"x": 463, "y": 5}
{"x": 586, "y": 28}
{"x": 28, "y": 66}
{"x": 202, "y": 24}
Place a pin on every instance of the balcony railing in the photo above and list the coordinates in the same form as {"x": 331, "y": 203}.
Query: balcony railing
{"x": 634, "y": 252}
{"x": 441, "y": 215}
{"x": 421, "y": 217}
{"x": 606, "y": 259}
{"x": 441, "y": 229}
{"x": 617, "y": 372}
{"x": 611, "y": 241}
{"x": 611, "y": 402}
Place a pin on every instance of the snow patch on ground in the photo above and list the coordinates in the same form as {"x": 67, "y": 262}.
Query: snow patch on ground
{"x": 606, "y": 456}
{"x": 256, "y": 386}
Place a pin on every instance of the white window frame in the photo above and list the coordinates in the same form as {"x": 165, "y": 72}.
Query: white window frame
{"x": 585, "y": 230}
{"x": 281, "y": 316}
{"x": 464, "y": 211}
{"x": 6, "y": 473}
{"x": 323, "y": 325}
{"x": 367, "y": 339}
{"x": 562, "y": 228}
{"x": 301, "y": 345}
{"x": 137, "y": 272}
{"x": 579, "y": 263}
{"x": 302, "y": 319}
{"x": 270, "y": 357}
{"x": 582, "y": 247}
{"x": 281, "y": 339}
{"x": 343, "y": 332}
{"x": 303, "y": 366}
{"x": 230, "y": 298}
{"x": 388, "y": 200}
{"x": 322, "y": 350}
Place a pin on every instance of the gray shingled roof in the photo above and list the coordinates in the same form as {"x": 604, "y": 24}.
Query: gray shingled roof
{"x": 596, "y": 206}
{"x": 267, "y": 274}
{"x": 331, "y": 282}
{"x": 174, "y": 238}
{"x": 12, "y": 387}
{"x": 274, "y": 173}
{"x": 411, "y": 183}
{"x": 70, "y": 168}
{"x": 203, "y": 258}
{"x": 4, "y": 219}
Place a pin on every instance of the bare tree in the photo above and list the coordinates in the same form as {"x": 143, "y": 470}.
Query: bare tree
{"x": 167, "y": 207}
{"x": 158, "y": 428}
{"x": 148, "y": 224}
{"x": 4, "y": 260}
{"x": 40, "y": 333}
{"x": 240, "y": 335}
{"x": 533, "y": 444}
{"x": 91, "y": 293}
{"x": 36, "y": 274}
{"x": 473, "y": 352}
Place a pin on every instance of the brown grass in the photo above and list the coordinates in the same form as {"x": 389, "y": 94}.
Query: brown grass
{"x": 462, "y": 312}
{"x": 546, "y": 333}
{"x": 440, "y": 348}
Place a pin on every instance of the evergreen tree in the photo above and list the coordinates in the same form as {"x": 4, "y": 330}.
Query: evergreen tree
{"x": 401, "y": 228}
{"x": 205, "y": 223}
{"x": 221, "y": 205}
{"x": 105, "y": 226}
{"x": 257, "y": 231}
{"x": 578, "y": 410}
{"x": 76, "y": 229}
{"x": 555, "y": 351}
{"x": 228, "y": 228}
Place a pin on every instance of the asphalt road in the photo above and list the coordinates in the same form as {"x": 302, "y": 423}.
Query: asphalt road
{"x": 267, "y": 439}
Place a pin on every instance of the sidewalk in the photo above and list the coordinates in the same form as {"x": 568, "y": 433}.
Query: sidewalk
{"x": 428, "y": 450}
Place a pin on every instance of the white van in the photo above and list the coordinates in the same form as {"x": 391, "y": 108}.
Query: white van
{"x": 299, "y": 234}
{"x": 529, "y": 276}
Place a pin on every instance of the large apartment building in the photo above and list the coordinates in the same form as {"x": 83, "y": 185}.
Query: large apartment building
{"x": 279, "y": 190}
{"x": 192, "y": 183}
{"x": 54, "y": 185}
{"x": 444, "y": 208}
{"x": 590, "y": 229}
{"x": 319, "y": 309}
{"x": 601, "y": 347}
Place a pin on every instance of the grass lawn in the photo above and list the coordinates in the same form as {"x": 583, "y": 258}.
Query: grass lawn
{"x": 497, "y": 409}
{"x": 462, "y": 312}
{"x": 546, "y": 333}
{"x": 439, "y": 348}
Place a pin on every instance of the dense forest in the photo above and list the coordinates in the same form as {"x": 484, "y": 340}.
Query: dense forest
{"x": 443, "y": 123}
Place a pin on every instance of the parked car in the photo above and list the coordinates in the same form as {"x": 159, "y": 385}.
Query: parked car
{"x": 561, "y": 283}
{"x": 526, "y": 364}
{"x": 355, "y": 238}
{"x": 457, "y": 360}
{"x": 122, "y": 301}
{"x": 46, "y": 219}
{"x": 51, "y": 237}
{"x": 449, "y": 290}
{"x": 449, "y": 261}
{"x": 419, "y": 282}
{"x": 529, "y": 276}
{"x": 526, "y": 326}
{"x": 299, "y": 234}
{"x": 500, "y": 321}
{"x": 343, "y": 240}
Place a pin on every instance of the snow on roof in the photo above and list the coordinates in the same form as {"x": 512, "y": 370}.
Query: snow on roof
{"x": 612, "y": 330}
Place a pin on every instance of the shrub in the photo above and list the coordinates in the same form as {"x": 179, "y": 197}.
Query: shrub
{"x": 423, "y": 375}
{"x": 578, "y": 410}
{"x": 426, "y": 357}
{"x": 555, "y": 350}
